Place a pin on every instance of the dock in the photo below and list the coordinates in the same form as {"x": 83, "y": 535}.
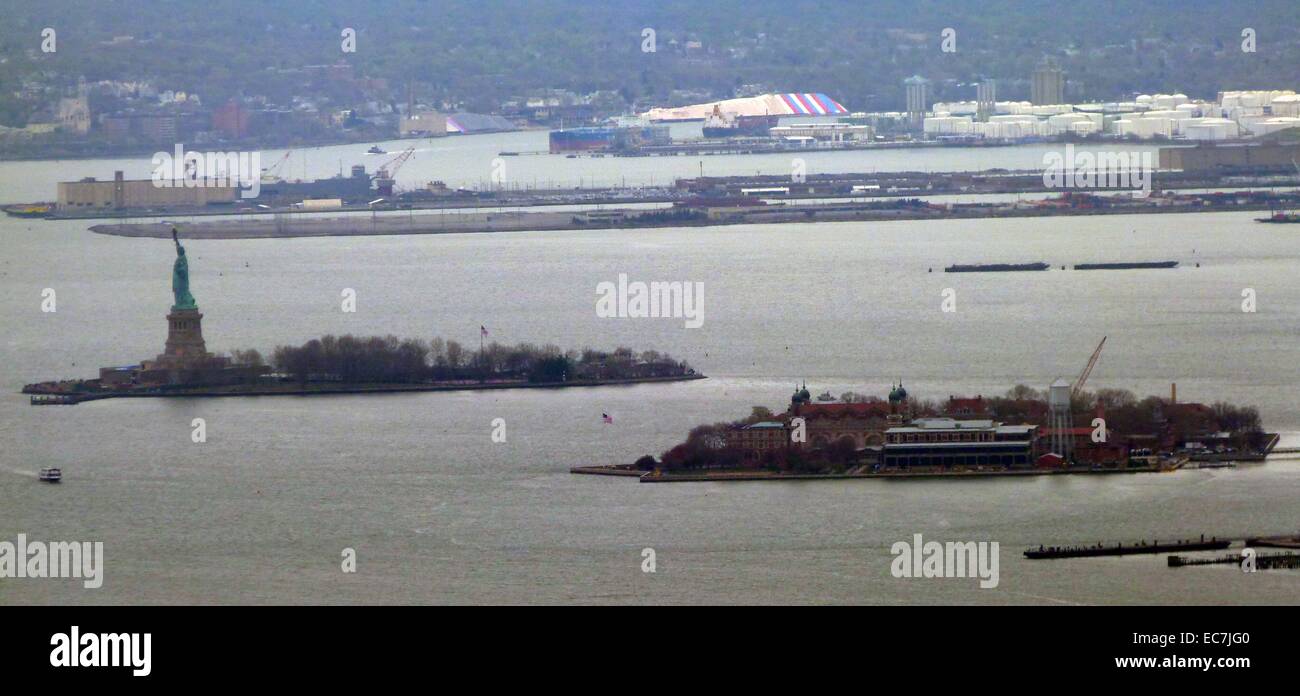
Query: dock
{"x": 69, "y": 399}
{"x": 1262, "y": 562}
{"x": 1141, "y": 547}
{"x": 1277, "y": 542}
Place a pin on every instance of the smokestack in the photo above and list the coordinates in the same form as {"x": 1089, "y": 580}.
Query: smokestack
{"x": 1173, "y": 392}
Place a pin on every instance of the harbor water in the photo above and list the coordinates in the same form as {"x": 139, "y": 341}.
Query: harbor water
{"x": 437, "y": 511}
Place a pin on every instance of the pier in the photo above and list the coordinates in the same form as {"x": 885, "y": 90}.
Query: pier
{"x": 70, "y": 399}
{"x": 1214, "y": 543}
{"x": 1269, "y": 562}
{"x": 1141, "y": 547}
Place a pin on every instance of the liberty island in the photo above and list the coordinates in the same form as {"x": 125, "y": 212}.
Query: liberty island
{"x": 345, "y": 365}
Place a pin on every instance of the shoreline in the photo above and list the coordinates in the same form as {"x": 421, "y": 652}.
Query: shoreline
{"x": 326, "y": 390}
{"x": 98, "y": 150}
{"x": 862, "y": 472}
{"x": 89, "y": 151}
{"x": 650, "y": 477}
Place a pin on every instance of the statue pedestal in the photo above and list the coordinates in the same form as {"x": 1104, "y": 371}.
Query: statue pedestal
{"x": 184, "y": 338}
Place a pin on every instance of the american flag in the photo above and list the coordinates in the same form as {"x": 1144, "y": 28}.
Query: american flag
{"x": 605, "y": 417}
{"x": 482, "y": 330}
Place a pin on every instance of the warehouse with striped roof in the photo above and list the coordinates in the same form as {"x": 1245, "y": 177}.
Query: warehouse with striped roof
{"x": 785, "y": 104}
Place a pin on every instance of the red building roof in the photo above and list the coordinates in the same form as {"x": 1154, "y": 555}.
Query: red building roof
{"x": 868, "y": 409}
{"x": 965, "y": 405}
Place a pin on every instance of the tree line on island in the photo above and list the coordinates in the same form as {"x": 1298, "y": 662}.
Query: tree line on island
{"x": 391, "y": 360}
{"x": 707, "y": 446}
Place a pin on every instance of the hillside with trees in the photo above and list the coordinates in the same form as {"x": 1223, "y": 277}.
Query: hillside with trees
{"x": 479, "y": 54}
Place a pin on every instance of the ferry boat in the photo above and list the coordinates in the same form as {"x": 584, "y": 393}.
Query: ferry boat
{"x": 50, "y": 474}
{"x": 34, "y": 210}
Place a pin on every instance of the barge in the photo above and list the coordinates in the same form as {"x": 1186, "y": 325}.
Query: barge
{"x": 995, "y": 267}
{"x": 1124, "y": 266}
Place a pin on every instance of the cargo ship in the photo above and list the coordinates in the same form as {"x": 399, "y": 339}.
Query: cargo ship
{"x": 728, "y": 125}
{"x": 995, "y": 267}
{"x": 584, "y": 139}
{"x": 1124, "y": 266}
{"x": 606, "y": 138}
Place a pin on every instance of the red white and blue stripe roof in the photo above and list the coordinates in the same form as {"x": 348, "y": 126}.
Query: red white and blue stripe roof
{"x": 812, "y": 104}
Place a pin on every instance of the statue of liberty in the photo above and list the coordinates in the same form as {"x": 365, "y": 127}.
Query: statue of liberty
{"x": 181, "y": 278}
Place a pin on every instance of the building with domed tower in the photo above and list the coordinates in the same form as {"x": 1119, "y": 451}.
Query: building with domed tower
{"x": 828, "y": 420}
{"x": 900, "y": 406}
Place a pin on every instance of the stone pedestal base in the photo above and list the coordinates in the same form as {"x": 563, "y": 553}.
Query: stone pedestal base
{"x": 184, "y": 338}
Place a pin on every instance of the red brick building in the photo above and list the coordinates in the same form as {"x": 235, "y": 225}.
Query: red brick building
{"x": 231, "y": 120}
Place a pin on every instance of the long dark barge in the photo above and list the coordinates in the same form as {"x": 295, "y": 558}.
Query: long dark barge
{"x": 995, "y": 267}
{"x": 1124, "y": 266}
{"x": 1125, "y": 550}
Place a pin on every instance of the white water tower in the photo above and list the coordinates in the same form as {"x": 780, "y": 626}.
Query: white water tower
{"x": 1058, "y": 404}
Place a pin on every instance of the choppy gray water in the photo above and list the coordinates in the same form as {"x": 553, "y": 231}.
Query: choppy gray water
{"x": 437, "y": 512}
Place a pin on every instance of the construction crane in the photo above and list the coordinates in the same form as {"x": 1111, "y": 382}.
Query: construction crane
{"x": 1083, "y": 376}
{"x": 387, "y": 172}
{"x": 271, "y": 174}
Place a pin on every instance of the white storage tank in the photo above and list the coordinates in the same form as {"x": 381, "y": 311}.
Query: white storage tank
{"x": 1286, "y": 105}
{"x": 1274, "y": 125}
{"x": 1209, "y": 129}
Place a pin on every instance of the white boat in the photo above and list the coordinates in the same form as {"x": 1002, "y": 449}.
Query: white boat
{"x": 50, "y": 474}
